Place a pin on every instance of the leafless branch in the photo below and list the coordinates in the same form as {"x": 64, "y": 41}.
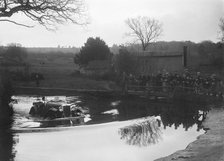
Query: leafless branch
{"x": 6, "y": 20}
{"x": 144, "y": 29}
{"x": 48, "y": 13}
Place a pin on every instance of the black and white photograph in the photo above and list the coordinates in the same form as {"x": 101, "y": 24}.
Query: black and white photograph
{"x": 111, "y": 80}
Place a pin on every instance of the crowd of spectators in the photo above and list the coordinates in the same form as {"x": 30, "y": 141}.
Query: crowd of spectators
{"x": 195, "y": 82}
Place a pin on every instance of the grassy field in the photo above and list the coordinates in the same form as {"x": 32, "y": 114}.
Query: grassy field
{"x": 58, "y": 72}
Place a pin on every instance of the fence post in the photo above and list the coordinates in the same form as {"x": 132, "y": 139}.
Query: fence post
{"x": 185, "y": 56}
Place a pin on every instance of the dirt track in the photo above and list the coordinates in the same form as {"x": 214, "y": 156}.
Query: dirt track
{"x": 209, "y": 146}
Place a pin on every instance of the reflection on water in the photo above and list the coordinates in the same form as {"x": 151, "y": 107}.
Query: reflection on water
{"x": 139, "y": 122}
{"x": 142, "y": 133}
{"x": 177, "y": 114}
{"x": 185, "y": 115}
{"x": 112, "y": 112}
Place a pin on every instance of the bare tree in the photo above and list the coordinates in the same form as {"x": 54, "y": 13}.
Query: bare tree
{"x": 144, "y": 29}
{"x": 46, "y": 12}
{"x": 221, "y": 26}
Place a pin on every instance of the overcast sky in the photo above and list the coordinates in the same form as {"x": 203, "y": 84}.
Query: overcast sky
{"x": 194, "y": 20}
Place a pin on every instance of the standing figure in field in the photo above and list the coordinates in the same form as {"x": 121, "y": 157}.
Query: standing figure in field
{"x": 37, "y": 80}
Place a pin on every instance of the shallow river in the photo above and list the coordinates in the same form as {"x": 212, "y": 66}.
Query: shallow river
{"x": 114, "y": 130}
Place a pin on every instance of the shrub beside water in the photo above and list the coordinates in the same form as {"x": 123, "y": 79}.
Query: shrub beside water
{"x": 6, "y": 92}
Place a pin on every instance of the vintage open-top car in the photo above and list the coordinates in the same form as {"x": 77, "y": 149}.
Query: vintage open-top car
{"x": 56, "y": 111}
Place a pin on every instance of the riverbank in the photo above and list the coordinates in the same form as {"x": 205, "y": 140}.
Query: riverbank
{"x": 209, "y": 146}
{"x": 71, "y": 83}
{"x": 47, "y": 91}
{"x": 64, "y": 86}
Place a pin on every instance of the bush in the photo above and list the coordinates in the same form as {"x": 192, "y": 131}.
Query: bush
{"x": 6, "y": 91}
{"x": 125, "y": 62}
{"x": 94, "y": 49}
